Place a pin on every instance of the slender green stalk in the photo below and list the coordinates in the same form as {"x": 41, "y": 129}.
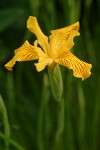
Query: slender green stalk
{"x": 44, "y": 102}
{"x": 72, "y": 10}
{"x": 81, "y": 125}
{"x": 58, "y": 139}
{"x": 57, "y": 89}
{"x": 96, "y": 118}
{"x": 90, "y": 43}
{"x": 68, "y": 128}
{"x": 12, "y": 142}
{"x": 34, "y": 6}
{"x": 6, "y": 123}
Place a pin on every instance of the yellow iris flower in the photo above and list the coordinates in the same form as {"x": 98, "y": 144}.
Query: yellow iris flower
{"x": 52, "y": 50}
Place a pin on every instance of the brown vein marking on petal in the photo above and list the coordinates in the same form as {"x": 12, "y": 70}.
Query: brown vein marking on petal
{"x": 69, "y": 43}
{"x": 43, "y": 62}
{"x": 26, "y": 52}
{"x": 41, "y": 65}
{"x": 80, "y": 68}
{"x": 66, "y": 30}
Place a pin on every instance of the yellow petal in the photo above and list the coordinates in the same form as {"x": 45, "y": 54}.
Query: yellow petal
{"x": 70, "y": 43}
{"x": 66, "y": 30}
{"x": 44, "y": 60}
{"x": 33, "y": 26}
{"x": 26, "y": 52}
{"x": 10, "y": 64}
{"x": 66, "y": 45}
{"x": 80, "y": 68}
{"x": 56, "y": 42}
{"x": 59, "y": 44}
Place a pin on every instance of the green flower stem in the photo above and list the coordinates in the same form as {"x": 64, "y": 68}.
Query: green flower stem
{"x": 58, "y": 140}
{"x": 57, "y": 89}
{"x": 56, "y": 82}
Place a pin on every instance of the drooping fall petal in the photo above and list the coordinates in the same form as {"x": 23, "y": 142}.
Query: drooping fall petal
{"x": 33, "y": 26}
{"x": 44, "y": 60}
{"x": 26, "y": 52}
{"x": 80, "y": 68}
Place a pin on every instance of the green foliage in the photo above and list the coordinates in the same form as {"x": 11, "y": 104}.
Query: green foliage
{"x": 36, "y": 120}
{"x": 6, "y": 123}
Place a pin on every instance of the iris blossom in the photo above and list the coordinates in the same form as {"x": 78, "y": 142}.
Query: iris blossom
{"x": 51, "y": 50}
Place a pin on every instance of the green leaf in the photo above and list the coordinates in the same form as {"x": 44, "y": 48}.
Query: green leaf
{"x": 5, "y": 120}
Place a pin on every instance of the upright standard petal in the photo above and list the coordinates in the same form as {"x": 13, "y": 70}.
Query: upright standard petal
{"x": 59, "y": 45}
{"x": 33, "y": 26}
{"x": 26, "y": 52}
{"x": 66, "y": 30}
{"x": 80, "y": 68}
{"x": 56, "y": 42}
{"x": 70, "y": 40}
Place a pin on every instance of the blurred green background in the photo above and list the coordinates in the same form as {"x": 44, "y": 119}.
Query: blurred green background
{"x": 28, "y": 101}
